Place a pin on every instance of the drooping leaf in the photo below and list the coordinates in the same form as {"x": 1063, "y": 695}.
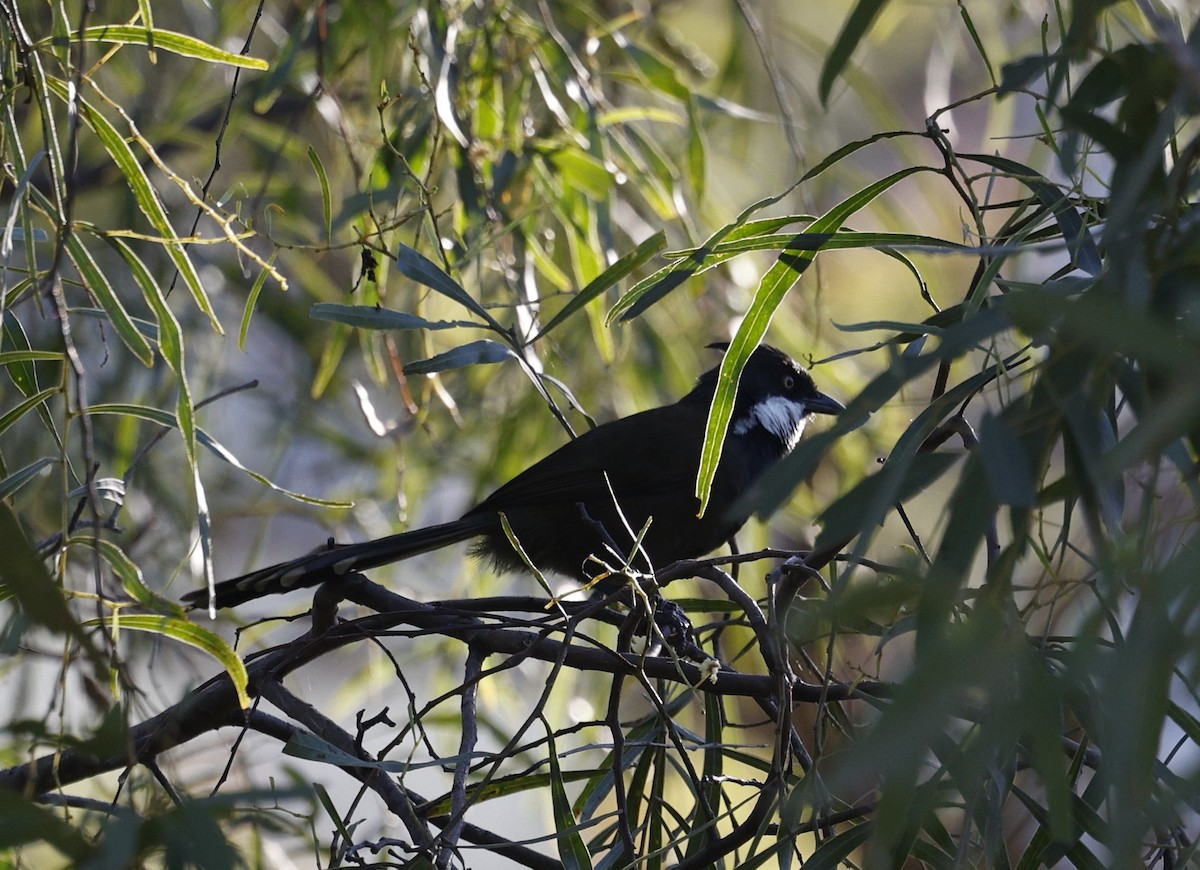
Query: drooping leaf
{"x": 482, "y": 352}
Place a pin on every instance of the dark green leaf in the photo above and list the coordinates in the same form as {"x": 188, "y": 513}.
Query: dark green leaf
{"x": 893, "y": 484}
{"x": 1079, "y": 241}
{"x": 13, "y": 483}
{"x": 1015, "y": 75}
{"x": 571, "y": 849}
{"x": 853, "y": 31}
{"x": 837, "y": 852}
{"x": 373, "y": 317}
{"x": 22, "y": 821}
{"x": 424, "y": 271}
{"x": 24, "y": 573}
{"x": 482, "y": 352}
{"x": 1005, "y": 463}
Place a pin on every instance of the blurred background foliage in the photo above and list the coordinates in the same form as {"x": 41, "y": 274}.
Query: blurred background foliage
{"x": 1009, "y": 267}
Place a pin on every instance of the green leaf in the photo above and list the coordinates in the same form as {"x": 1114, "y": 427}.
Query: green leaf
{"x": 13, "y": 483}
{"x": 696, "y": 163}
{"x": 331, "y": 809}
{"x": 166, "y": 418}
{"x": 645, "y": 733}
{"x": 1082, "y": 248}
{"x": 331, "y": 355}
{"x": 97, "y": 282}
{"x": 1005, "y": 463}
{"x": 780, "y": 278}
{"x": 148, "y": 328}
{"x": 191, "y": 836}
{"x": 424, "y": 271}
{"x": 1104, "y": 324}
{"x": 22, "y": 372}
{"x": 853, "y": 31}
{"x": 170, "y": 345}
{"x": 22, "y": 822}
{"x": 1016, "y": 74}
{"x": 144, "y": 194}
{"x": 8, "y": 419}
{"x": 546, "y": 267}
{"x": 969, "y": 23}
{"x": 644, "y": 799}
{"x": 894, "y": 483}
{"x": 187, "y": 632}
{"x": 571, "y": 849}
{"x": 582, "y": 171}
{"x": 482, "y": 352}
{"x": 326, "y": 198}
{"x": 24, "y": 574}
{"x": 765, "y": 496}
{"x": 18, "y": 364}
{"x": 1074, "y": 850}
{"x": 12, "y": 357}
{"x": 837, "y": 852}
{"x": 374, "y": 317}
{"x": 657, "y": 72}
{"x": 18, "y": 206}
{"x": 843, "y": 239}
{"x": 1041, "y": 707}
{"x": 608, "y": 278}
{"x": 654, "y": 288}
{"x": 146, "y": 10}
{"x": 252, "y": 299}
{"x": 167, "y": 40}
{"x": 125, "y": 569}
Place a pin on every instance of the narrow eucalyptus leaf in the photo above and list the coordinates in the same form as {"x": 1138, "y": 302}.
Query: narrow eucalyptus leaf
{"x": 1005, "y": 463}
{"x": 481, "y": 352}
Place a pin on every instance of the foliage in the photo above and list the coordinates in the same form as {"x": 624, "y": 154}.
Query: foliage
{"x": 987, "y": 656}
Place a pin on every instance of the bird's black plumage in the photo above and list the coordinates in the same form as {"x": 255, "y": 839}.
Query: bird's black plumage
{"x": 645, "y": 464}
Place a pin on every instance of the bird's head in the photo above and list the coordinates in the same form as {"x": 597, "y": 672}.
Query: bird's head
{"x": 775, "y": 397}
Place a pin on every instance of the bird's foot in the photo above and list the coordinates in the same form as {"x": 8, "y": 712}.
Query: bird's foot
{"x": 677, "y": 632}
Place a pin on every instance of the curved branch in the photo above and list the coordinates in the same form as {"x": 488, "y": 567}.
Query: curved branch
{"x": 214, "y": 704}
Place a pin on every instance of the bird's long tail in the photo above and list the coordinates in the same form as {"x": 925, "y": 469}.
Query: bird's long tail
{"x": 336, "y": 561}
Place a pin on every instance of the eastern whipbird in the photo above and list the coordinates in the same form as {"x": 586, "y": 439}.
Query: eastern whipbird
{"x": 564, "y": 509}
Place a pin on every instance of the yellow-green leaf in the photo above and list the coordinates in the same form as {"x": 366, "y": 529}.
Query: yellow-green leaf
{"x": 167, "y": 40}
{"x": 188, "y": 632}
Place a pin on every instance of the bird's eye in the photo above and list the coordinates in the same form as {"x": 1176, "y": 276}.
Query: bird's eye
{"x": 788, "y": 382}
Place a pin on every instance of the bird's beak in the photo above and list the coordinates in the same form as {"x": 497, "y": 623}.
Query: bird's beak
{"x": 823, "y": 404}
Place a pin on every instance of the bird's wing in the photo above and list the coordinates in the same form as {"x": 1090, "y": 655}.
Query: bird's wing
{"x": 652, "y": 441}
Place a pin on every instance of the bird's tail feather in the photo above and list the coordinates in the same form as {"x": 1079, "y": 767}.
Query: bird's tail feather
{"x": 336, "y": 561}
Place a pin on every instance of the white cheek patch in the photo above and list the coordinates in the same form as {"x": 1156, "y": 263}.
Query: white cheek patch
{"x": 780, "y": 416}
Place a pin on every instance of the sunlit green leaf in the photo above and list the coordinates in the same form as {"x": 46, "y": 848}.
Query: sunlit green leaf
{"x": 98, "y": 283}
{"x": 606, "y": 279}
{"x": 146, "y": 197}
{"x": 167, "y": 40}
{"x": 779, "y": 279}
{"x": 187, "y": 632}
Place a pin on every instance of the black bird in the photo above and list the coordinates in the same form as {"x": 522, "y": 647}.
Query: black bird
{"x": 563, "y": 509}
